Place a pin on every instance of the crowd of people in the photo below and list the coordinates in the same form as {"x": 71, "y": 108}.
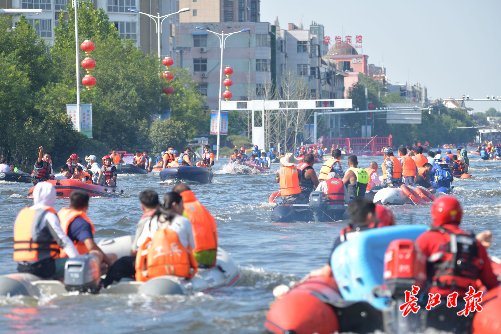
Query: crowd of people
{"x": 257, "y": 158}
{"x": 490, "y": 151}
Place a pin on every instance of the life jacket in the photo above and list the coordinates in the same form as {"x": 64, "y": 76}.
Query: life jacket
{"x": 71, "y": 167}
{"x": 335, "y": 190}
{"x": 139, "y": 161}
{"x": 164, "y": 255}
{"x": 329, "y": 166}
{"x": 206, "y": 158}
{"x": 116, "y": 159}
{"x": 233, "y": 157}
{"x": 202, "y": 222}
{"x": 451, "y": 156}
{"x": 484, "y": 154}
{"x": 358, "y": 190}
{"x": 457, "y": 168}
{"x": 420, "y": 160}
{"x": 32, "y": 239}
{"x": 370, "y": 184}
{"x": 289, "y": 181}
{"x": 42, "y": 173}
{"x": 397, "y": 168}
{"x": 459, "y": 265}
{"x": 68, "y": 216}
{"x": 409, "y": 166}
{"x": 168, "y": 158}
{"x": 442, "y": 175}
{"x": 305, "y": 184}
{"x": 108, "y": 173}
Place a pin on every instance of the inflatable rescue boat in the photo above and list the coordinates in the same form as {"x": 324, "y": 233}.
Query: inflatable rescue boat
{"x": 403, "y": 195}
{"x": 130, "y": 169}
{"x": 64, "y": 188}
{"x": 187, "y": 173}
{"x": 82, "y": 274}
{"x": 15, "y": 177}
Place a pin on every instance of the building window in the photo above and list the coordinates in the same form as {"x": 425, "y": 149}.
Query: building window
{"x": 262, "y": 65}
{"x": 262, "y": 40}
{"x": 36, "y": 4}
{"x": 42, "y": 27}
{"x": 195, "y": 12}
{"x": 202, "y": 89}
{"x": 121, "y": 6}
{"x": 302, "y": 46}
{"x": 200, "y": 65}
{"x": 127, "y": 30}
{"x": 314, "y": 72}
{"x": 60, "y": 4}
{"x": 313, "y": 93}
{"x": 302, "y": 69}
{"x": 200, "y": 41}
{"x": 260, "y": 90}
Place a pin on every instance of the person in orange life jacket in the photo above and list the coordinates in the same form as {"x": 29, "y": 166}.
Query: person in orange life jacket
{"x": 235, "y": 157}
{"x": 456, "y": 260}
{"x": 147, "y": 225}
{"x": 374, "y": 181}
{"x": 364, "y": 215}
{"x": 409, "y": 168}
{"x": 108, "y": 173}
{"x": 308, "y": 180}
{"x": 333, "y": 189}
{"x": 36, "y": 250}
{"x": 139, "y": 160}
{"x": 419, "y": 158}
{"x": 355, "y": 179}
{"x": 392, "y": 169}
{"x": 168, "y": 157}
{"x": 423, "y": 178}
{"x": 81, "y": 175}
{"x": 185, "y": 159}
{"x": 79, "y": 228}
{"x": 204, "y": 227}
{"x": 174, "y": 232}
{"x": 42, "y": 170}
{"x": 288, "y": 179}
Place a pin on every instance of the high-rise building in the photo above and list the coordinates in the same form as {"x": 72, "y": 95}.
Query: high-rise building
{"x": 212, "y": 11}
{"x": 138, "y": 28}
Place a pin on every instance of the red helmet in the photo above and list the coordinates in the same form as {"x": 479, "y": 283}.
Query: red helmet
{"x": 74, "y": 156}
{"x": 106, "y": 157}
{"x": 384, "y": 215}
{"x": 446, "y": 210}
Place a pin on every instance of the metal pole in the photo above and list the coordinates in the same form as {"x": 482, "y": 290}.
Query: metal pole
{"x": 218, "y": 140}
{"x": 315, "y": 116}
{"x": 159, "y": 32}
{"x": 77, "y": 64}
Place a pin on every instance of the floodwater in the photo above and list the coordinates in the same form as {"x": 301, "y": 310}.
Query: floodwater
{"x": 268, "y": 254}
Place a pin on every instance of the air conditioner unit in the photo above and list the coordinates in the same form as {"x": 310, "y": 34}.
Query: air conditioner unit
{"x": 203, "y": 50}
{"x": 203, "y": 75}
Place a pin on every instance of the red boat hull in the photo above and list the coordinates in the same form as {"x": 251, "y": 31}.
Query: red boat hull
{"x": 64, "y": 188}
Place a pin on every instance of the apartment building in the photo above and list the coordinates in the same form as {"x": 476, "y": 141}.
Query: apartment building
{"x": 211, "y": 11}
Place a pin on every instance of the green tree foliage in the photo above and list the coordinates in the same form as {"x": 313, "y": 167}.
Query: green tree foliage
{"x": 169, "y": 132}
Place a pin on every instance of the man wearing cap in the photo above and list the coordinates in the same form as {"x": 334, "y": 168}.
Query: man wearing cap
{"x": 392, "y": 169}
{"x": 93, "y": 167}
{"x": 288, "y": 178}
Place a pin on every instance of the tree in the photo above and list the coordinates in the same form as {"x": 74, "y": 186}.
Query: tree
{"x": 166, "y": 133}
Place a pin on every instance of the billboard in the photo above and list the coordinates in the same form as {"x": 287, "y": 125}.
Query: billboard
{"x": 224, "y": 123}
{"x": 82, "y": 120}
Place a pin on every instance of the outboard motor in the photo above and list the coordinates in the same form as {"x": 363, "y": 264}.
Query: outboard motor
{"x": 82, "y": 274}
{"x": 316, "y": 202}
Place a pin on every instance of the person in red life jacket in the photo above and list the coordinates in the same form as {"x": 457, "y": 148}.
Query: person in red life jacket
{"x": 409, "y": 168}
{"x": 364, "y": 215}
{"x": 333, "y": 189}
{"x": 108, "y": 173}
{"x": 42, "y": 170}
{"x": 288, "y": 179}
{"x": 72, "y": 162}
{"x": 38, "y": 236}
{"x": 308, "y": 180}
{"x": 374, "y": 182}
{"x": 392, "y": 169}
{"x": 204, "y": 227}
{"x": 419, "y": 158}
{"x": 80, "y": 229}
{"x": 456, "y": 260}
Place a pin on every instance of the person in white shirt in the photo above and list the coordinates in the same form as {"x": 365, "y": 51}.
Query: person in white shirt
{"x": 4, "y": 167}
{"x": 93, "y": 167}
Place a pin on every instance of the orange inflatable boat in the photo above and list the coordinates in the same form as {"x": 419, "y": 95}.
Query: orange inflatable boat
{"x": 64, "y": 188}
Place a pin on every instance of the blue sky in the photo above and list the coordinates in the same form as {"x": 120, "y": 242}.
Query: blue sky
{"x": 453, "y": 47}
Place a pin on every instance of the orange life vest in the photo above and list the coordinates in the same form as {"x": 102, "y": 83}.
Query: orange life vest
{"x": 335, "y": 190}
{"x": 420, "y": 160}
{"x": 164, "y": 255}
{"x": 203, "y": 223}
{"x": 408, "y": 166}
{"x": 397, "y": 168}
{"x": 289, "y": 181}
{"x": 116, "y": 159}
{"x": 168, "y": 157}
{"x": 68, "y": 216}
{"x": 371, "y": 172}
{"x": 32, "y": 239}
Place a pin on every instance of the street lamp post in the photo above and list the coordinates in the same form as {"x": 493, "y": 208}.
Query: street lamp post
{"x": 159, "y": 20}
{"x": 222, "y": 43}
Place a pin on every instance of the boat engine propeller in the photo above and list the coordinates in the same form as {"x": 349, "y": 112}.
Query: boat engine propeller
{"x": 82, "y": 274}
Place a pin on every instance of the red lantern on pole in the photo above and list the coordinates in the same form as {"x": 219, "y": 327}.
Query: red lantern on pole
{"x": 89, "y": 64}
{"x": 228, "y": 82}
{"x": 87, "y": 46}
{"x": 228, "y": 71}
{"x": 168, "y": 75}
{"x": 227, "y": 95}
{"x": 168, "y": 61}
{"x": 89, "y": 81}
{"x": 168, "y": 90}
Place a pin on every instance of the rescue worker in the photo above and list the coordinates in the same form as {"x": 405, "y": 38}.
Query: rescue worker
{"x": 168, "y": 157}
{"x": 204, "y": 227}
{"x": 423, "y": 178}
{"x": 170, "y": 250}
{"x": 409, "y": 167}
{"x": 441, "y": 177}
{"x": 419, "y": 158}
{"x": 42, "y": 170}
{"x": 392, "y": 169}
{"x": 265, "y": 161}
{"x": 72, "y": 162}
{"x": 449, "y": 154}
{"x": 308, "y": 180}
{"x": 116, "y": 158}
{"x": 108, "y": 173}
{"x": 456, "y": 260}
{"x": 139, "y": 160}
{"x": 207, "y": 157}
{"x": 374, "y": 182}
{"x": 332, "y": 165}
{"x": 80, "y": 229}
{"x": 333, "y": 189}
{"x": 355, "y": 179}
{"x": 81, "y": 175}
{"x": 288, "y": 178}
{"x": 36, "y": 250}
{"x": 185, "y": 158}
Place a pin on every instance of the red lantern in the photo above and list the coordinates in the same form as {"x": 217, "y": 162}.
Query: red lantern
{"x": 168, "y": 90}
{"x": 87, "y": 46}
{"x": 88, "y": 63}
{"x": 228, "y": 82}
{"x": 89, "y": 81}
{"x": 168, "y": 61}
{"x": 168, "y": 75}
{"x": 227, "y": 95}
{"x": 228, "y": 70}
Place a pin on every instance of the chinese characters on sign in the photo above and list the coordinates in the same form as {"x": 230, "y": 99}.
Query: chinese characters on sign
{"x": 224, "y": 123}
{"x": 348, "y": 39}
{"x": 82, "y": 121}
{"x": 472, "y": 300}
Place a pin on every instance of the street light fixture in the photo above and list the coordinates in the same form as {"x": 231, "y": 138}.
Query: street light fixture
{"x": 20, "y": 11}
{"x": 222, "y": 43}
{"x": 158, "y": 22}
